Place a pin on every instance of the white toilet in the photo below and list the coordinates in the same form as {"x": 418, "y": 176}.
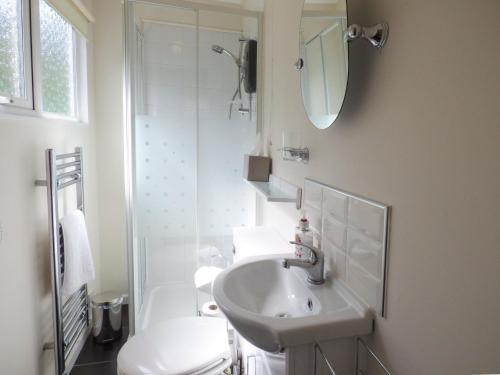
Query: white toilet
{"x": 183, "y": 346}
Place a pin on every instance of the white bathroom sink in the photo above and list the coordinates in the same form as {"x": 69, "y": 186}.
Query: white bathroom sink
{"x": 275, "y": 308}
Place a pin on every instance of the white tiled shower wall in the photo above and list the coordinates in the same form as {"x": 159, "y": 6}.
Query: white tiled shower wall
{"x": 189, "y": 156}
{"x": 353, "y": 238}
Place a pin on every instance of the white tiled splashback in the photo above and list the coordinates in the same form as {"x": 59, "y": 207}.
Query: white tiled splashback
{"x": 354, "y": 238}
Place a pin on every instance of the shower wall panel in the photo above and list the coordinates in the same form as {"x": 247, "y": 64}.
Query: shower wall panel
{"x": 224, "y": 199}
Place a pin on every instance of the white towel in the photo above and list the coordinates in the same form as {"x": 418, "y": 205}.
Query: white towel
{"x": 78, "y": 264}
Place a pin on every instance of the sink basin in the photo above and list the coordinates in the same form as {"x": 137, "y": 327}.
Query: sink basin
{"x": 275, "y": 308}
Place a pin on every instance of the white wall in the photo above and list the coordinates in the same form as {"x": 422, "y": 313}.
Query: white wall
{"x": 420, "y": 131}
{"x": 110, "y": 143}
{"x": 25, "y": 289}
{"x": 26, "y": 316}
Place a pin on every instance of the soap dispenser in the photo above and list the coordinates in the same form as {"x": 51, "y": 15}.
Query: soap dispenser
{"x": 303, "y": 235}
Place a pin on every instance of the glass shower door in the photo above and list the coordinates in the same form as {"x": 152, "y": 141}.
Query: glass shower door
{"x": 165, "y": 162}
{"x": 188, "y": 189}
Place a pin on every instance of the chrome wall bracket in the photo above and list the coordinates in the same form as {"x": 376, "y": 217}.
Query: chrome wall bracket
{"x": 377, "y": 34}
{"x": 48, "y": 346}
{"x": 296, "y": 154}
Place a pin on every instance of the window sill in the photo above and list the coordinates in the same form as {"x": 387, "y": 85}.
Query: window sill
{"x": 16, "y": 113}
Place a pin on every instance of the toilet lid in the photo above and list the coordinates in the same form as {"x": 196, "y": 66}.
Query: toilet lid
{"x": 176, "y": 347}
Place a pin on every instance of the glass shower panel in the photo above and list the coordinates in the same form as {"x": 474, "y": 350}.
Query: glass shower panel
{"x": 225, "y": 133}
{"x": 190, "y": 133}
{"x": 165, "y": 162}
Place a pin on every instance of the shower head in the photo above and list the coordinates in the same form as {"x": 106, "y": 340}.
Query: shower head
{"x": 220, "y": 50}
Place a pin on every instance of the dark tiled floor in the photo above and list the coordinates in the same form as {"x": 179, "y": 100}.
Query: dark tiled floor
{"x": 100, "y": 359}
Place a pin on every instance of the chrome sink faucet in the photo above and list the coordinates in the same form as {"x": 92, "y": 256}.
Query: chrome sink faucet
{"x": 314, "y": 265}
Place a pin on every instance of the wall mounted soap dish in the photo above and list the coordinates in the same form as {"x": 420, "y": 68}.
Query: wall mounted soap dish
{"x": 295, "y": 154}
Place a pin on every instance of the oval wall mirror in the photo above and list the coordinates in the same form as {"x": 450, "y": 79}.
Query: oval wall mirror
{"x": 323, "y": 62}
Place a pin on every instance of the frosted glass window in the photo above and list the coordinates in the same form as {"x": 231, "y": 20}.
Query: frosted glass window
{"x": 57, "y": 62}
{"x": 12, "y": 81}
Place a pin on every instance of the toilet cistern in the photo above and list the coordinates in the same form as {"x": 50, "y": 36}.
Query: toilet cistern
{"x": 314, "y": 265}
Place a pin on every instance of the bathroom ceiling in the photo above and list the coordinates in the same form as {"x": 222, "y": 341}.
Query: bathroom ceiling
{"x": 322, "y": 1}
{"x": 258, "y": 5}
{"x": 251, "y": 2}
{"x": 255, "y": 3}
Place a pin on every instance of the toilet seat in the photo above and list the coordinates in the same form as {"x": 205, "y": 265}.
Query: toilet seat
{"x": 183, "y": 346}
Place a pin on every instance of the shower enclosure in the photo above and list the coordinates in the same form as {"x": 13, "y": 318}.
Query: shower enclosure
{"x": 191, "y": 116}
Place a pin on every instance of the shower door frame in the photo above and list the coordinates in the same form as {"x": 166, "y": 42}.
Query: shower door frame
{"x": 129, "y": 44}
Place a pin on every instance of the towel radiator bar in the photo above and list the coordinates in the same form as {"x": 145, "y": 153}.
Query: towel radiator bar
{"x": 70, "y": 314}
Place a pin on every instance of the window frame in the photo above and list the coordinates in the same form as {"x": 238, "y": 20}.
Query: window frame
{"x": 26, "y": 54}
{"x": 34, "y": 106}
{"x": 80, "y": 66}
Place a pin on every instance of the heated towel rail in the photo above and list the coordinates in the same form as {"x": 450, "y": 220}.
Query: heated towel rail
{"x": 70, "y": 314}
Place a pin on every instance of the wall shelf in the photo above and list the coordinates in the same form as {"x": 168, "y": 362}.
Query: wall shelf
{"x": 278, "y": 190}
